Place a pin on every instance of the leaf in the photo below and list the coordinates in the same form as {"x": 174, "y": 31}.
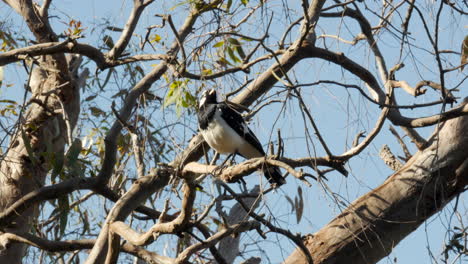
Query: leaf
{"x": 156, "y": 38}
{"x": 219, "y": 44}
{"x": 299, "y": 205}
{"x": 173, "y": 94}
{"x": 237, "y": 47}
{"x": 95, "y": 111}
{"x": 290, "y": 202}
{"x": 207, "y": 71}
{"x": 57, "y": 165}
{"x": 63, "y": 206}
{"x": 233, "y": 41}
{"x": 109, "y": 73}
{"x": 73, "y": 152}
{"x": 140, "y": 70}
{"x": 91, "y": 97}
{"x": 245, "y": 2}
{"x": 6, "y": 101}
{"x": 108, "y": 41}
{"x": 116, "y": 29}
{"x": 233, "y": 57}
{"x": 464, "y": 53}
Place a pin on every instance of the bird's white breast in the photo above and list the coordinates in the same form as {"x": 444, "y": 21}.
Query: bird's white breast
{"x": 221, "y": 137}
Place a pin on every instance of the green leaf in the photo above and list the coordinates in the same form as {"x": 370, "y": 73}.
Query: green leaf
{"x": 73, "y": 152}
{"x": 237, "y": 47}
{"x": 245, "y": 2}
{"x": 231, "y": 54}
{"x": 57, "y": 165}
{"x": 233, "y": 41}
{"x": 63, "y": 206}
{"x": 240, "y": 51}
{"x": 96, "y": 111}
{"x": 218, "y": 44}
{"x": 173, "y": 94}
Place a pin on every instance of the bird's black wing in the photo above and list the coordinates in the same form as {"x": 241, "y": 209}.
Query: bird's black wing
{"x": 205, "y": 115}
{"x": 236, "y": 122}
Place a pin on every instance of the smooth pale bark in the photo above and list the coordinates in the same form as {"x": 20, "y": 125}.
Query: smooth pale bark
{"x": 40, "y": 137}
{"x": 376, "y": 222}
{"x": 43, "y": 131}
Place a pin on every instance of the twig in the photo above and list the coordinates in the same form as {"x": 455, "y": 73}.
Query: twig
{"x": 401, "y": 142}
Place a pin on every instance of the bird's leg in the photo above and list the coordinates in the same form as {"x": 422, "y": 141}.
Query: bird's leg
{"x": 231, "y": 158}
{"x": 226, "y": 163}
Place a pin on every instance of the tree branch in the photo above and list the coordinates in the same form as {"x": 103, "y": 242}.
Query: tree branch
{"x": 71, "y": 245}
{"x": 72, "y": 46}
{"x": 138, "y": 7}
{"x": 139, "y": 192}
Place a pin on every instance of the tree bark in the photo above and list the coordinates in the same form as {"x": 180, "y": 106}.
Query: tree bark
{"x": 372, "y": 225}
{"x": 43, "y": 130}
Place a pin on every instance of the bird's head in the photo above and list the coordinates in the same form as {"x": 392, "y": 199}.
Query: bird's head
{"x": 208, "y": 97}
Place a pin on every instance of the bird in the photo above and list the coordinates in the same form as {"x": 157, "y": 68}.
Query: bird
{"x": 226, "y": 131}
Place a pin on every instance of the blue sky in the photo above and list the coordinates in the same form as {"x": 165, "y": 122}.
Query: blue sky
{"x": 339, "y": 113}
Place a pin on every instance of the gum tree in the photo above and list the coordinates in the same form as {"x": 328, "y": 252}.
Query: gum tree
{"x": 102, "y": 157}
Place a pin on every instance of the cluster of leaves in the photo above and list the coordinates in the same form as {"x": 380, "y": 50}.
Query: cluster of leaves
{"x": 75, "y": 28}
{"x": 10, "y": 107}
{"x": 179, "y": 95}
{"x": 231, "y": 47}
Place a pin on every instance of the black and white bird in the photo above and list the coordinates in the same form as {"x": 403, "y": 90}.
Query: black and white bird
{"x": 225, "y": 131}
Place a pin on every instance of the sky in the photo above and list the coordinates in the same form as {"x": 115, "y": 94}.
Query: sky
{"x": 339, "y": 113}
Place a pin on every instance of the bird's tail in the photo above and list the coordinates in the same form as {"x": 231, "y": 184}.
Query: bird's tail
{"x": 273, "y": 175}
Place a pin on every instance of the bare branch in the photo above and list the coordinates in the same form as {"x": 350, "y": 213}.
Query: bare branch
{"x": 70, "y": 245}
{"x": 139, "y": 192}
{"x": 138, "y": 7}
{"x": 44, "y": 11}
{"x": 174, "y": 226}
{"x": 401, "y": 142}
{"x": 71, "y": 46}
{"x": 45, "y": 193}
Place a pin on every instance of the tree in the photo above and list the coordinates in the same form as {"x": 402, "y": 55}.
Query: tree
{"x": 125, "y": 141}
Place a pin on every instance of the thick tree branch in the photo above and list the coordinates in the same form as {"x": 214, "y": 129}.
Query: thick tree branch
{"x": 175, "y": 226}
{"x": 372, "y": 225}
{"x": 139, "y": 192}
